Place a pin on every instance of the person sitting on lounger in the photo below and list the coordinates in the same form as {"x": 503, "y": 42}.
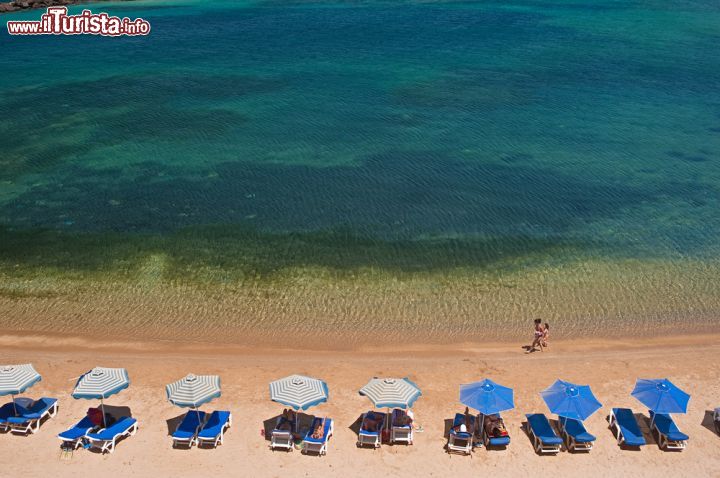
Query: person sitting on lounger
{"x": 468, "y": 425}
{"x": 494, "y": 426}
{"x": 287, "y": 420}
{"x": 404, "y": 419}
{"x": 372, "y": 422}
{"x": 100, "y": 421}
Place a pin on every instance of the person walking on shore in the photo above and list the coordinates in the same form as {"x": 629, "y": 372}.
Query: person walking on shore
{"x": 538, "y": 338}
{"x": 546, "y": 335}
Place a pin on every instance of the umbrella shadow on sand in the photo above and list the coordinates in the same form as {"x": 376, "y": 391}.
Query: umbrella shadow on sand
{"x": 447, "y": 423}
{"x": 356, "y": 425}
{"x": 173, "y": 423}
{"x": 116, "y": 413}
{"x": 709, "y": 422}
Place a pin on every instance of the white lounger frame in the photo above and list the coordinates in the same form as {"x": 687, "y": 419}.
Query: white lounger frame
{"x": 219, "y": 438}
{"x": 540, "y": 447}
{"x": 319, "y": 448}
{"x": 402, "y": 434}
{"x": 33, "y": 425}
{"x": 570, "y": 442}
{"x": 109, "y": 445}
{"x": 281, "y": 439}
{"x": 454, "y": 447}
{"x": 76, "y": 443}
{"x": 666, "y": 444}
{"x": 366, "y": 439}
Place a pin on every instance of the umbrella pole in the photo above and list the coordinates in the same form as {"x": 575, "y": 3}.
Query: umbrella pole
{"x": 102, "y": 407}
{"x": 14, "y": 405}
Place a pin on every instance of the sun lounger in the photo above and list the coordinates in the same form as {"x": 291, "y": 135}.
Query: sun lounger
{"x": 544, "y": 438}
{"x": 282, "y": 439}
{"x": 492, "y": 441}
{"x": 214, "y": 430}
{"x": 28, "y": 419}
{"x": 576, "y": 436}
{"x": 318, "y": 445}
{"x": 627, "y": 430}
{"x": 106, "y": 439}
{"x": 73, "y": 437}
{"x": 371, "y": 437}
{"x": 186, "y": 432}
{"x": 400, "y": 433}
{"x": 460, "y": 442}
{"x": 669, "y": 436}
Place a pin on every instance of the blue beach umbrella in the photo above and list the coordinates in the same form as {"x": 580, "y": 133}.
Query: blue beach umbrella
{"x": 661, "y": 395}
{"x": 568, "y": 400}
{"x": 487, "y": 397}
{"x": 101, "y": 383}
{"x": 15, "y": 379}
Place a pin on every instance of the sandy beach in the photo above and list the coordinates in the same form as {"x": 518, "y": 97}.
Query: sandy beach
{"x": 611, "y": 369}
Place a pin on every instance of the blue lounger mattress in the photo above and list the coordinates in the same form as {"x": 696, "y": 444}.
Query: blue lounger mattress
{"x": 214, "y": 425}
{"x": 667, "y": 427}
{"x": 109, "y": 433}
{"x": 576, "y": 429}
{"x": 540, "y": 426}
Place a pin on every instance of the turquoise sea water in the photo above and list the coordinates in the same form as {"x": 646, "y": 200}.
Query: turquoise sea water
{"x": 474, "y": 131}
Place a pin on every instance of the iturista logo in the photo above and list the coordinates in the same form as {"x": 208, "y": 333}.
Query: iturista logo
{"x": 57, "y": 22}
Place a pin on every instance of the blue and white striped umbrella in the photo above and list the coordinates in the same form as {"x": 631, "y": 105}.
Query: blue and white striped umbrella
{"x": 193, "y": 390}
{"x": 391, "y": 392}
{"x": 15, "y": 379}
{"x": 299, "y": 392}
{"x": 100, "y": 383}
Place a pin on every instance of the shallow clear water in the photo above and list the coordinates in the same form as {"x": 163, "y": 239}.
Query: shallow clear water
{"x": 495, "y": 138}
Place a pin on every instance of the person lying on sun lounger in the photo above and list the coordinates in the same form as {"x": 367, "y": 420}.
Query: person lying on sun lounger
{"x": 495, "y": 426}
{"x": 319, "y": 430}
